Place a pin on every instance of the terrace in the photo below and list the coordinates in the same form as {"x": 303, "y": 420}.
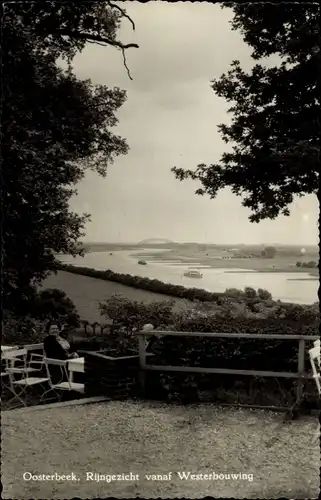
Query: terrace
{"x": 276, "y": 459}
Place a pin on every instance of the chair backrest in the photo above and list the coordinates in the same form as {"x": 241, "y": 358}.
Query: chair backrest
{"x": 34, "y": 347}
{"x": 34, "y": 350}
{"x": 14, "y": 353}
{"x": 314, "y": 354}
{"x": 5, "y": 348}
{"x": 63, "y": 364}
{"x": 11, "y": 357}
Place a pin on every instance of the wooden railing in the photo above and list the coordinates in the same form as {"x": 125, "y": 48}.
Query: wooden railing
{"x": 300, "y": 375}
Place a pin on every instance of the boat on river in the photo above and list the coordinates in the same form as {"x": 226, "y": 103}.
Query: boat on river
{"x": 193, "y": 274}
{"x": 142, "y": 262}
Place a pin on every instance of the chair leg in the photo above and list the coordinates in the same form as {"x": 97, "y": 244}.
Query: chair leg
{"x": 57, "y": 394}
{"x": 47, "y": 392}
{"x": 17, "y": 397}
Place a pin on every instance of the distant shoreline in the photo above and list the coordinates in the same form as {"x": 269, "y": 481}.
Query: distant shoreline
{"x": 243, "y": 265}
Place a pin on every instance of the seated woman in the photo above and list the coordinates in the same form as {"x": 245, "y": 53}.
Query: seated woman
{"x": 55, "y": 346}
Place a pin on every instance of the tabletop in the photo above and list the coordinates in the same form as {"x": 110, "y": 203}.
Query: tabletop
{"x": 77, "y": 365}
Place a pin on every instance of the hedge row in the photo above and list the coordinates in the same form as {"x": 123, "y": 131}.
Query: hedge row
{"x": 249, "y": 295}
{"x": 254, "y": 354}
{"x": 152, "y": 285}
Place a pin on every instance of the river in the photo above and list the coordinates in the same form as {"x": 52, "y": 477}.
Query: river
{"x": 282, "y": 286}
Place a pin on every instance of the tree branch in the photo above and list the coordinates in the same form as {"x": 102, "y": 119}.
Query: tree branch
{"x": 95, "y": 38}
{"x": 122, "y": 12}
{"x": 125, "y": 64}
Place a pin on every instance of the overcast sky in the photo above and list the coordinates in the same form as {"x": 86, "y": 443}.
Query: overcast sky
{"x": 170, "y": 118}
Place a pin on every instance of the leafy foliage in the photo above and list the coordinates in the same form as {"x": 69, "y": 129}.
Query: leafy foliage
{"x": 48, "y": 304}
{"x": 133, "y": 314}
{"x": 275, "y": 125}
{"x": 310, "y": 265}
{"x": 54, "y": 127}
{"x": 54, "y": 304}
{"x": 250, "y": 292}
{"x": 264, "y": 294}
{"x": 22, "y": 330}
{"x": 271, "y": 354}
{"x": 238, "y": 354}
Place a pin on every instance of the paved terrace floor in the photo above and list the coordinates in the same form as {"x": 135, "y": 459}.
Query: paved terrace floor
{"x": 154, "y": 438}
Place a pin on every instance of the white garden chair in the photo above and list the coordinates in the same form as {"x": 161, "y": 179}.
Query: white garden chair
{"x": 19, "y": 388}
{"x": 16, "y": 360}
{"x": 9, "y": 358}
{"x": 314, "y": 354}
{"x": 35, "y": 349}
{"x": 64, "y": 383}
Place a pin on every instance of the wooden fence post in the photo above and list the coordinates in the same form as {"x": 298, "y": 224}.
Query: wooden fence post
{"x": 142, "y": 363}
{"x": 299, "y": 389}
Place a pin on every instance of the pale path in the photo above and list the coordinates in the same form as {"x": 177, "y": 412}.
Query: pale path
{"x": 154, "y": 438}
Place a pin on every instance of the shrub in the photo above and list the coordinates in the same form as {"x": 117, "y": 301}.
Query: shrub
{"x": 132, "y": 314}
{"x": 17, "y": 330}
{"x": 250, "y": 292}
{"x": 54, "y": 304}
{"x": 274, "y": 355}
{"x": 264, "y": 294}
{"x": 234, "y": 292}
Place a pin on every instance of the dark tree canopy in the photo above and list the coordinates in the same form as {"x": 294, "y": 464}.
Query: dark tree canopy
{"x": 275, "y": 111}
{"x": 54, "y": 127}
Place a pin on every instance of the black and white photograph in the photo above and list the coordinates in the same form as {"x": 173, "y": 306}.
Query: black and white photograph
{"x": 160, "y": 250}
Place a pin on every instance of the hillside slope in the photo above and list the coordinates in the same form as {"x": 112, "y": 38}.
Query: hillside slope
{"x": 86, "y": 293}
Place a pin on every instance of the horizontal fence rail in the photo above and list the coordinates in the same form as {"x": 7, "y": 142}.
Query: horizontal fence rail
{"x": 300, "y": 375}
{"x": 156, "y": 333}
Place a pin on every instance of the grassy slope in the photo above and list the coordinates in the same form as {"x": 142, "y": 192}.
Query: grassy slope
{"x": 86, "y": 293}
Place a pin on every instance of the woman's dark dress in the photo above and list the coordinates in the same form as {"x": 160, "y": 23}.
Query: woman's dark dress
{"x": 56, "y": 348}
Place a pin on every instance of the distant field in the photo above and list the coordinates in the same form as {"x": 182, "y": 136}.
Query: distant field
{"x": 86, "y": 293}
{"x": 213, "y": 259}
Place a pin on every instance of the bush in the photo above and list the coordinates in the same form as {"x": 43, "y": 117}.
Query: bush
{"x": 255, "y": 354}
{"x": 264, "y": 294}
{"x": 250, "y": 292}
{"x": 132, "y": 314}
{"x": 17, "y": 330}
{"x": 54, "y": 304}
{"x": 234, "y": 292}
{"x": 310, "y": 265}
{"x": 48, "y": 304}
